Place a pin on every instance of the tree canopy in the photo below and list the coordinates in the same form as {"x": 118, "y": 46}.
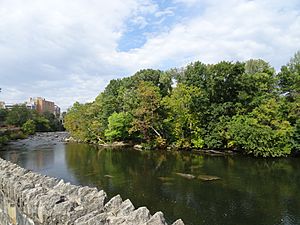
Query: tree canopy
{"x": 244, "y": 106}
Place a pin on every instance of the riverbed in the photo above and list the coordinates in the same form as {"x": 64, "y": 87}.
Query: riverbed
{"x": 248, "y": 190}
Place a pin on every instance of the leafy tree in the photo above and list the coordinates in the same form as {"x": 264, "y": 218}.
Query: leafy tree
{"x": 54, "y": 123}
{"x": 256, "y": 84}
{"x": 240, "y": 105}
{"x": 3, "y": 114}
{"x": 289, "y": 83}
{"x": 263, "y": 132}
{"x": 29, "y": 127}
{"x": 75, "y": 122}
{"x": 118, "y": 126}
{"x": 42, "y": 124}
{"x": 18, "y": 115}
{"x": 289, "y": 77}
{"x": 181, "y": 118}
{"x": 145, "y": 116}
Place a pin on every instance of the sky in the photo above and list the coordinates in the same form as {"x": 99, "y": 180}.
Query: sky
{"x": 68, "y": 50}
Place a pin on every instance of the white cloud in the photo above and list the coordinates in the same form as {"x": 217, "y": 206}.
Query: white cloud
{"x": 50, "y": 40}
{"x": 231, "y": 30}
{"x": 68, "y": 50}
{"x": 166, "y": 12}
{"x": 188, "y": 2}
{"x": 140, "y": 21}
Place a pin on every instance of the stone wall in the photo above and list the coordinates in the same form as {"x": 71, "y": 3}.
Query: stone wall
{"x": 27, "y": 198}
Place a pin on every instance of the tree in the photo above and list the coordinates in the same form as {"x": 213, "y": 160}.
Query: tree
{"x": 179, "y": 104}
{"x": 18, "y": 115}
{"x": 54, "y": 123}
{"x": 3, "y": 115}
{"x": 75, "y": 121}
{"x": 118, "y": 126}
{"x": 289, "y": 83}
{"x": 239, "y": 105}
{"x": 29, "y": 127}
{"x": 145, "y": 116}
{"x": 289, "y": 77}
{"x": 263, "y": 132}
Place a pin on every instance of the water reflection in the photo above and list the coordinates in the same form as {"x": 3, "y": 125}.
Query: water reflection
{"x": 250, "y": 191}
{"x": 36, "y": 160}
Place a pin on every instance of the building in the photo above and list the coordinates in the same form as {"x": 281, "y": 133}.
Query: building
{"x": 9, "y": 105}
{"x": 2, "y": 105}
{"x": 30, "y": 105}
{"x": 41, "y": 105}
{"x": 56, "y": 111}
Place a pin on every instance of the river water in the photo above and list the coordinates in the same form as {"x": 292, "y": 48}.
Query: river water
{"x": 250, "y": 191}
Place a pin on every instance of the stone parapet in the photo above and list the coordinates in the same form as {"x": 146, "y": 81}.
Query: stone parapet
{"x": 28, "y": 198}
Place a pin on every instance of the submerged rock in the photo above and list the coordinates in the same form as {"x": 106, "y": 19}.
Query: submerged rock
{"x": 186, "y": 175}
{"x": 108, "y": 176}
{"x": 138, "y": 147}
{"x": 166, "y": 179}
{"x": 208, "y": 178}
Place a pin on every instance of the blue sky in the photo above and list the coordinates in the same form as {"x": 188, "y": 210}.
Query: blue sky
{"x": 68, "y": 50}
{"x": 162, "y": 18}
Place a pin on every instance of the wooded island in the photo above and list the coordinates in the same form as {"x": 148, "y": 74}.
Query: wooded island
{"x": 245, "y": 106}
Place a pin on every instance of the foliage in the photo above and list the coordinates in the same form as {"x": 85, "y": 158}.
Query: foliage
{"x": 145, "y": 115}
{"x": 118, "y": 126}
{"x": 264, "y": 131}
{"x": 29, "y": 127}
{"x": 18, "y": 115}
{"x": 228, "y": 105}
{"x": 3, "y": 139}
{"x": 21, "y": 116}
{"x": 3, "y": 115}
{"x": 181, "y": 118}
{"x": 54, "y": 123}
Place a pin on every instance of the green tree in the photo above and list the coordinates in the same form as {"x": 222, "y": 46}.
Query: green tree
{"x": 179, "y": 105}
{"x": 3, "y": 115}
{"x": 54, "y": 123}
{"x": 118, "y": 126}
{"x": 256, "y": 84}
{"x": 289, "y": 84}
{"x": 75, "y": 122}
{"x": 29, "y": 127}
{"x": 263, "y": 132}
{"x": 41, "y": 124}
{"x": 18, "y": 115}
{"x": 289, "y": 77}
{"x": 145, "y": 116}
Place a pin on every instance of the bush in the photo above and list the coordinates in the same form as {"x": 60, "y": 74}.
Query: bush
{"x": 118, "y": 124}
{"x": 29, "y": 127}
{"x": 253, "y": 137}
{"x": 3, "y": 139}
{"x": 17, "y": 135}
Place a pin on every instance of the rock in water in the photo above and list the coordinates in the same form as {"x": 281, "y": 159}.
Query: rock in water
{"x": 208, "y": 177}
{"x": 186, "y": 175}
{"x": 166, "y": 179}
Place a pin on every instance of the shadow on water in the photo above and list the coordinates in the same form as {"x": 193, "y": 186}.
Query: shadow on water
{"x": 250, "y": 191}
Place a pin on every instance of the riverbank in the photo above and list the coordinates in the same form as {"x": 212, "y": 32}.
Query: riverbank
{"x": 141, "y": 147}
{"x": 15, "y": 138}
{"x": 11, "y": 133}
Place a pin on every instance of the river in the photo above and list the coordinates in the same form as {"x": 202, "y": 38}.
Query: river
{"x": 250, "y": 191}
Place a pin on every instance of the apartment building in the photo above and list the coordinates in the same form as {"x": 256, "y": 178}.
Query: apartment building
{"x": 2, "y": 105}
{"x": 41, "y": 105}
